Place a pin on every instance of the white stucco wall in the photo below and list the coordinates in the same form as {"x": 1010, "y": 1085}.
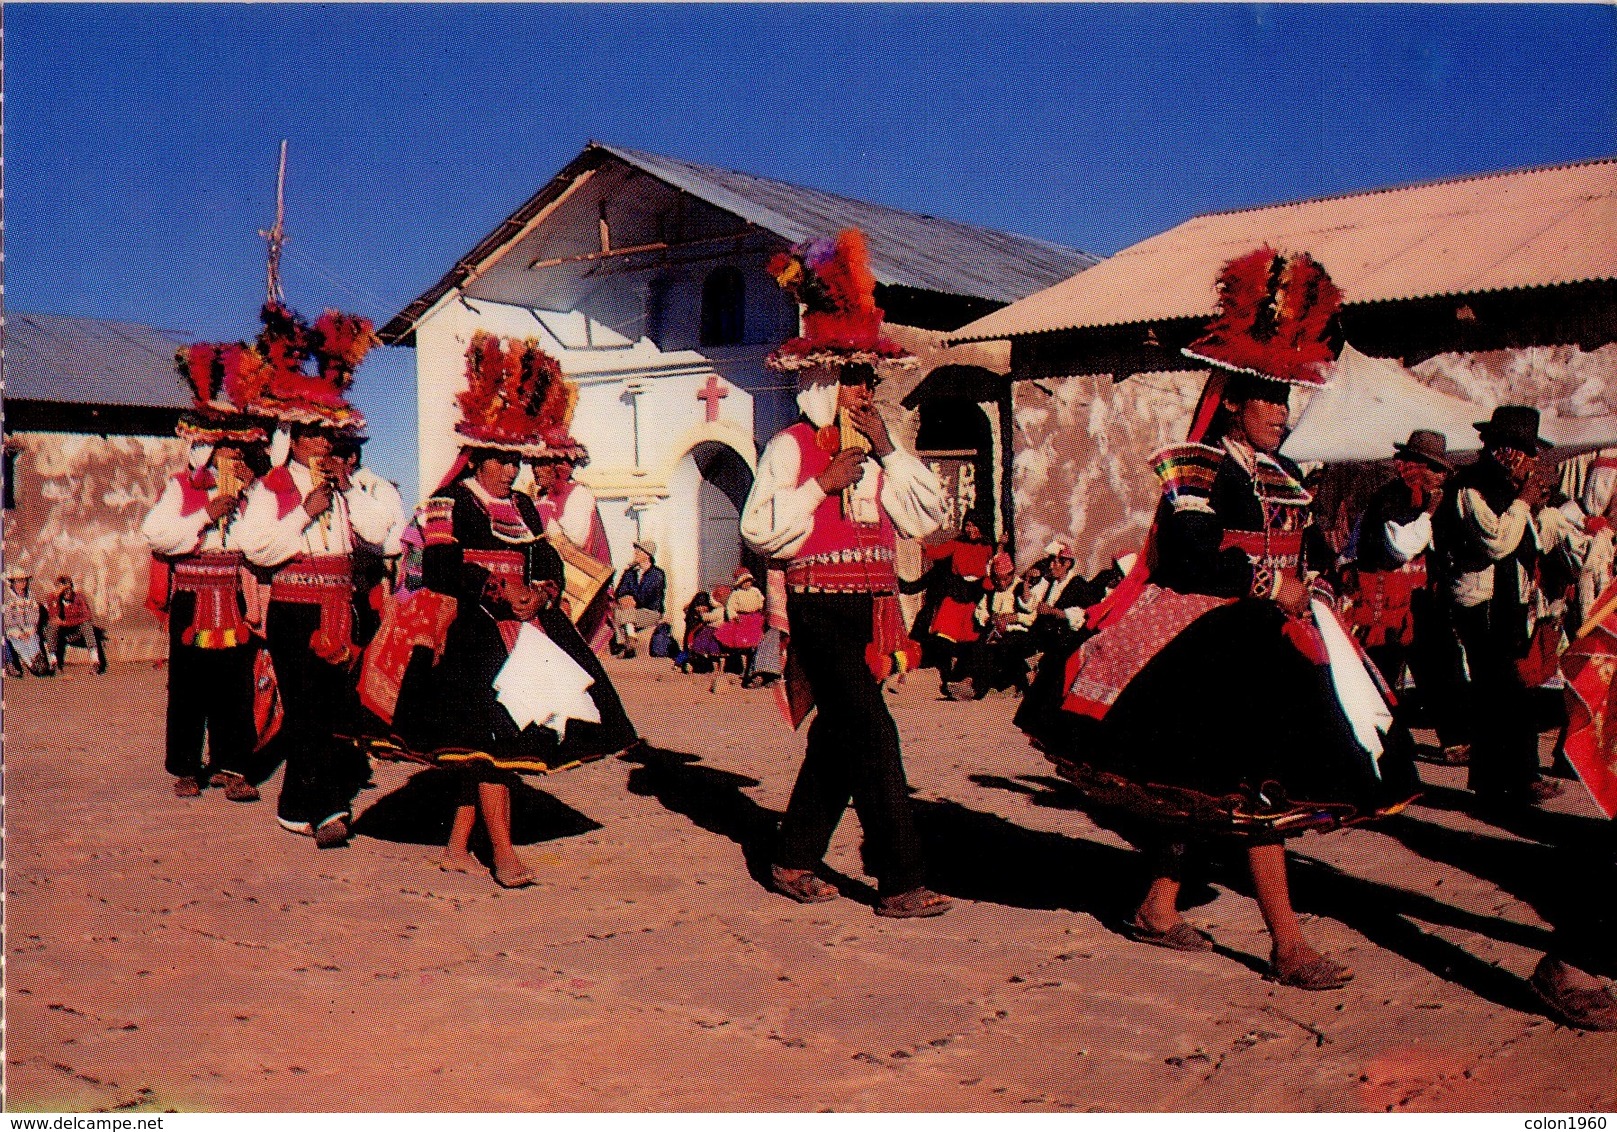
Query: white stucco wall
{"x": 638, "y": 413}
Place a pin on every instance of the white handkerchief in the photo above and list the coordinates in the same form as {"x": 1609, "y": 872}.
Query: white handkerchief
{"x": 541, "y": 684}
{"x": 1362, "y": 702}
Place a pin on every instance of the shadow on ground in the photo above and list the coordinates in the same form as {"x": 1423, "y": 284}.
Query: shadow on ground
{"x": 970, "y": 854}
{"x": 420, "y": 813}
{"x": 1391, "y": 917}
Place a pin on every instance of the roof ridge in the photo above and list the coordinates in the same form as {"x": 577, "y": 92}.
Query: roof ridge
{"x": 1495, "y": 174}
{"x": 631, "y": 154}
{"x": 13, "y": 315}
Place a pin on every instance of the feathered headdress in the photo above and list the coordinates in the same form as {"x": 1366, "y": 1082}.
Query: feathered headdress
{"x": 224, "y": 382}
{"x": 515, "y": 396}
{"x": 297, "y": 392}
{"x": 270, "y": 379}
{"x": 1274, "y": 311}
{"x": 841, "y": 321}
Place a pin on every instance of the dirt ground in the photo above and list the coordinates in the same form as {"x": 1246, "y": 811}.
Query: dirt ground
{"x": 190, "y": 955}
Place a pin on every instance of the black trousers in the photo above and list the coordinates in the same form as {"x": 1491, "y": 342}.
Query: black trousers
{"x": 320, "y": 772}
{"x": 1433, "y": 657}
{"x": 86, "y": 636}
{"x": 210, "y": 701}
{"x": 853, "y": 750}
{"x": 1000, "y": 663}
{"x": 1504, "y": 743}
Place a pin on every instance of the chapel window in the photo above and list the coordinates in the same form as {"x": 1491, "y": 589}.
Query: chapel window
{"x": 724, "y": 297}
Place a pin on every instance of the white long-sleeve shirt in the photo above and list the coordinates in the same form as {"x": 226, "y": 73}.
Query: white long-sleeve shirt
{"x": 779, "y": 514}
{"x": 1055, "y": 587}
{"x": 1407, "y": 541}
{"x": 268, "y": 540}
{"x": 171, "y": 533}
{"x": 1601, "y": 484}
{"x": 577, "y": 515}
{"x": 1499, "y": 534}
{"x": 386, "y": 494}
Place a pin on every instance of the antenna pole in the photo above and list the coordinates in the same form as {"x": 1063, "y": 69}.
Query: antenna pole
{"x": 276, "y": 236}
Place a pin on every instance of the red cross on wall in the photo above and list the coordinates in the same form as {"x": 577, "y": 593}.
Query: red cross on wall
{"x": 712, "y": 393}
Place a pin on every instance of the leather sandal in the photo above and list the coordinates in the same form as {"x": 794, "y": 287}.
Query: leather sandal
{"x": 238, "y": 789}
{"x": 1180, "y": 937}
{"x": 917, "y": 903}
{"x": 1582, "y": 1007}
{"x": 1316, "y": 973}
{"x": 332, "y": 835}
{"x": 801, "y": 885}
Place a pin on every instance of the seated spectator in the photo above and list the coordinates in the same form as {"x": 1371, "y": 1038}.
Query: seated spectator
{"x": 703, "y": 652}
{"x": 70, "y": 624}
{"x": 743, "y": 626}
{"x": 1058, "y": 629}
{"x": 998, "y": 658}
{"x": 24, "y": 619}
{"x": 638, "y": 599}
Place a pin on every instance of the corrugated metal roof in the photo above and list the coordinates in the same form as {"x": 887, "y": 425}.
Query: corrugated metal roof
{"x": 907, "y": 249}
{"x": 1501, "y": 231}
{"x": 91, "y": 361}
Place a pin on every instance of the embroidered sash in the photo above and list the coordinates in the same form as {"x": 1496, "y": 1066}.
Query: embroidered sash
{"x": 215, "y": 579}
{"x": 326, "y": 580}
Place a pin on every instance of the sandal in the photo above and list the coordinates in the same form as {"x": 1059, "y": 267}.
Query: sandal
{"x": 1579, "y": 1006}
{"x": 914, "y": 904}
{"x": 1180, "y": 937}
{"x": 801, "y": 885}
{"x": 238, "y": 789}
{"x": 1315, "y": 973}
{"x": 332, "y": 834}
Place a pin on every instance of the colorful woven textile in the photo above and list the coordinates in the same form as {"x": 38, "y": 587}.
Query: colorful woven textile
{"x": 1099, "y": 671}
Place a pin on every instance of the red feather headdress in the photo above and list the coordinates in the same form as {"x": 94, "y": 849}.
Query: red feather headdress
{"x": 1274, "y": 314}
{"x": 516, "y": 397}
{"x": 292, "y": 391}
{"x": 271, "y": 379}
{"x": 223, "y": 381}
{"x": 837, "y": 290}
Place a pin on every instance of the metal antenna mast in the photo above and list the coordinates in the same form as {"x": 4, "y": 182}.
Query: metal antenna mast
{"x": 276, "y": 236}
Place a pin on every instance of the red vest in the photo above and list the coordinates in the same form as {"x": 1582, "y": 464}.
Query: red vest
{"x": 839, "y": 554}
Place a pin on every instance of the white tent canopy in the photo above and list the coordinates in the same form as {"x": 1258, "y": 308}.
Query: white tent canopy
{"x": 1371, "y": 404}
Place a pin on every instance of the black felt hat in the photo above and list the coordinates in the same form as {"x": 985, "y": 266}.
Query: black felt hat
{"x": 1513, "y": 426}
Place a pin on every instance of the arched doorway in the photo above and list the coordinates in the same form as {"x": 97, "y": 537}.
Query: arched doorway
{"x": 720, "y": 495}
{"x": 956, "y": 442}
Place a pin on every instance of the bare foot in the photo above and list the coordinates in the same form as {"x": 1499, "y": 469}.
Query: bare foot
{"x": 458, "y": 862}
{"x": 513, "y": 874}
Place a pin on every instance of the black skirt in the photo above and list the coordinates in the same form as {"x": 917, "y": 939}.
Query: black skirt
{"x": 1232, "y": 729}
{"x": 449, "y": 713}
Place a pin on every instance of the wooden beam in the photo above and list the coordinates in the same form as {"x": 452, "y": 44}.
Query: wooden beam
{"x": 638, "y": 249}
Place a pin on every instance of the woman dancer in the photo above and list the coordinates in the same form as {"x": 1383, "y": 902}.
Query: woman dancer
{"x": 1231, "y": 700}
{"x": 514, "y": 688}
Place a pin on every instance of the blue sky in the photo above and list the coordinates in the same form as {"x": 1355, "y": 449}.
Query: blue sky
{"x": 141, "y": 139}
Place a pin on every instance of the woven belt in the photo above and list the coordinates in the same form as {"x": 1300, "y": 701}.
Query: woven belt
{"x": 1276, "y": 546}
{"x": 311, "y": 578}
{"x": 864, "y": 570}
{"x": 511, "y": 564}
{"x": 325, "y": 580}
{"x": 215, "y": 579}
